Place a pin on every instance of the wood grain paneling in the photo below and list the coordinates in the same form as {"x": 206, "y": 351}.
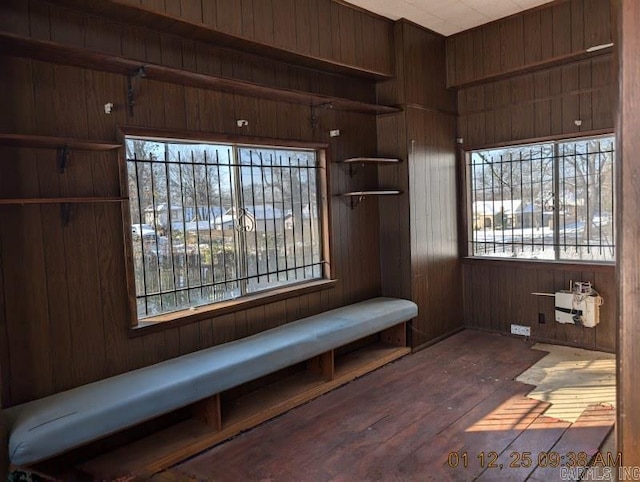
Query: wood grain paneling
{"x": 498, "y": 294}
{"x": 75, "y": 326}
{"x": 539, "y": 104}
{"x": 418, "y": 229}
{"x": 420, "y": 74}
{"x": 628, "y": 233}
{"x": 276, "y": 29}
{"x": 527, "y": 40}
{"x": 436, "y": 275}
{"x": 74, "y": 29}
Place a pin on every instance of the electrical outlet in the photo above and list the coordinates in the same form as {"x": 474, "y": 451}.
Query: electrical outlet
{"x": 520, "y": 330}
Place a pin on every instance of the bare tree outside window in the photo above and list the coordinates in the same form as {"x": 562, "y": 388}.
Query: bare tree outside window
{"x": 550, "y": 201}
{"x": 213, "y": 222}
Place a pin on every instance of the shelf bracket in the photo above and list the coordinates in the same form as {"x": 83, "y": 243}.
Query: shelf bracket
{"x": 65, "y": 214}
{"x": 355, "y": 200}
{"x": 63, "y": 159}
{"x": 131, "y": 94}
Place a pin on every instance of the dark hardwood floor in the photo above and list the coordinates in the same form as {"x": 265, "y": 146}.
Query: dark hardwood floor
{"x": 456, "y": 401}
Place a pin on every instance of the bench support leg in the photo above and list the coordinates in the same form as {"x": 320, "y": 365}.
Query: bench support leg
{"x": 396, "y": 335}
{"x": 322, "y": 365}
{"x": 209, "y": 412}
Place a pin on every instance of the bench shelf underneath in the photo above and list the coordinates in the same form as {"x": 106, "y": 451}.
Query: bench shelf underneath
{"x": 163, "y": 449}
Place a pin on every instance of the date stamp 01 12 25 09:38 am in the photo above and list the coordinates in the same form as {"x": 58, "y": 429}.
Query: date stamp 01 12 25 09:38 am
{"x": 601, "y": 465}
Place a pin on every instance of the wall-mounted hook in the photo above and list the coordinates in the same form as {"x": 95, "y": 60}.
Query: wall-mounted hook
{"x": 63, "y": 158}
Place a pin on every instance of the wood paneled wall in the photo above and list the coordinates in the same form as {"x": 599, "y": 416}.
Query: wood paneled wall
{"x": 538, "y": 105}
{"x": 499, "y": 293}
{"x": 526, "y": 40}
{"x": 418, "y": 234}
{"x": 322, "y": 29}
{"x": 63, "y": 313}
{"x": 44, "y": 21}
{"x": 512, "y": 96}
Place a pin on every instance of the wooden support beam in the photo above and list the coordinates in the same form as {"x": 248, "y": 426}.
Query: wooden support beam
{"x": 209, "y": 412}
{"x": 628, "y": 231}
{"x": 322, "y": 365}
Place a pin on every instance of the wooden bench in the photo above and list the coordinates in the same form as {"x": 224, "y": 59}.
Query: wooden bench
{"x": 52, "y": 425}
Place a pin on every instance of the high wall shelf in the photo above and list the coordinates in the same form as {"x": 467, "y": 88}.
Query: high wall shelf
{"x": 20, "y": 46}
{"x": 52, "y": 142}
{"x": 126, "y": 12}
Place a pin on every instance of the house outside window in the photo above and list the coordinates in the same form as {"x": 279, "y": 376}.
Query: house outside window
{"x": 213, "y": 222}
{"x": 547, "y": 201}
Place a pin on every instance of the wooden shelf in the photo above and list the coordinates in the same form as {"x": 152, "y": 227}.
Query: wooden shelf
{"x": 536, "y": 66}
{"x": 125, "y": 12}
{"x": 371, "y": 160}
{"x": 63, "y": 200}
{"x": 392, "y": 192}
{"x": 170, "y": 446}
{"x": 354, "y": 162}
{"x": 51, "y": 142}
{"x": 356, "y": 197}
{"x": 19, "y": 46}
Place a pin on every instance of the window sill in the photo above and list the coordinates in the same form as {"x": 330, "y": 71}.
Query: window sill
{"x": 542, "y": 264}
{"x": 183, "y": 317}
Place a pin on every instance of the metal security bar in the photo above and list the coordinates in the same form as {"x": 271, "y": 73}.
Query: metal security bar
{"x": 213, "y": 222}
{"x": 551, "y": 200}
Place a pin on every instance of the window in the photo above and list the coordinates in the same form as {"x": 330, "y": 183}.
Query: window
{"x": 213, "y": 222}
{"x": 553, "y": 200}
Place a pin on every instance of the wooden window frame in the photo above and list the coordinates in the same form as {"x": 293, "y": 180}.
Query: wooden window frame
{"x": 194, "y": 314}
{"x": 465, "y": 226}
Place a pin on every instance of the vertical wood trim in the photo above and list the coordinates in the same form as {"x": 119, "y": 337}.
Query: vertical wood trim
{"x": 325, "y": 214}
{"x": 323, "y": 365}
{"x": 628, "y": 231}
{"x": 209, "y": 412}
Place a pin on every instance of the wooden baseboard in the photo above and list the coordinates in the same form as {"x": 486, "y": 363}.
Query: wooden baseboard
{"x": 535, "y": 339}
{"x": 437, "y": 340}
{"x": 146, "y": 457}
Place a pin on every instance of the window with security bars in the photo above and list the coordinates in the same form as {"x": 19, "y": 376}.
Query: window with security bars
{"x": 550, "y": 201}
{"x": 214, "y": 222}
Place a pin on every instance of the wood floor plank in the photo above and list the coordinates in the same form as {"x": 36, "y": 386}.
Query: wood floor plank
{"x": 586, "y": 436}
{"x": 539, "y": 438}
{"x": 358, "y": 426}
{"x": 403, "y": 421}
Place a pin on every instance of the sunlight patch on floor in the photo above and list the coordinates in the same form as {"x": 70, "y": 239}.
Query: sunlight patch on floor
{"x": 570, "y": 379}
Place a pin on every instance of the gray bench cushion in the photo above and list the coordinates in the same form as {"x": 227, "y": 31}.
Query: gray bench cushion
{"x": 49, "y": 426}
